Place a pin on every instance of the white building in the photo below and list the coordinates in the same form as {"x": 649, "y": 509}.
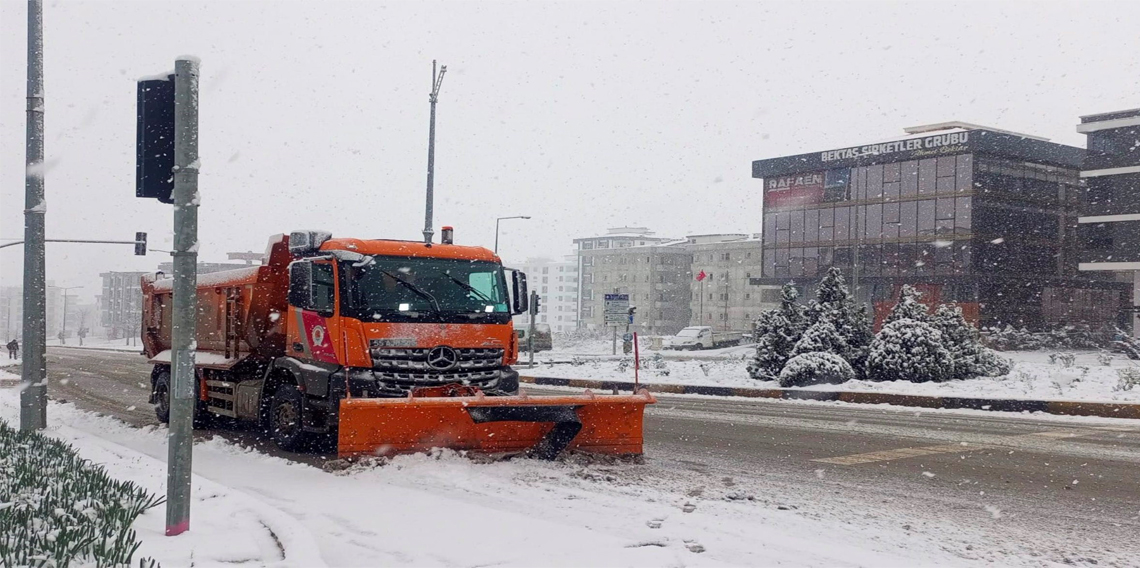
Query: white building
{"x": 556, "y": 282}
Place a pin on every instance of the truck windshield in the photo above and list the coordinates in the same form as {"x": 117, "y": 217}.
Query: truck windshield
{"x": 689, "y": 332}
{"x": 385, "y": 288}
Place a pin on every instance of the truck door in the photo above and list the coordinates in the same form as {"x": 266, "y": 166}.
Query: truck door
{"x": 312, "y": 307}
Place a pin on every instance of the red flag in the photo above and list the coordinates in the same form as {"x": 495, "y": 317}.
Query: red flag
{"x": 701, "y": 276}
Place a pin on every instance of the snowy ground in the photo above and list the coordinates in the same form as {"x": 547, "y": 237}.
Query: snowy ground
{"x": 447, "y": 510}
{"x": 1033, "y": 376}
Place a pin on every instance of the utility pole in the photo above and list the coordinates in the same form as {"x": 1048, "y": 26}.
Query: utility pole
{"x": 436, "y": 81}
{"x": 184, "y": 316}
{"x": 534, "y": 309}
{"x": 858, "y": 241}
{"x": 63, "y": 327}
{"x": 702, "y": 318}
{"x": 33, "y": 374}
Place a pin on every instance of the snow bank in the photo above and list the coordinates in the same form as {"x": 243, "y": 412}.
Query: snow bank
{"x": 1032, "y": 377}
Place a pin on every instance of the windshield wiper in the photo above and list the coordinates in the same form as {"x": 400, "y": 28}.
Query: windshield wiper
{"x": 419, "y": 291}
{"x": 471, "y": 289}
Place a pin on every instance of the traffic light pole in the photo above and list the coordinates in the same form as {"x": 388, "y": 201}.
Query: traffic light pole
{"x": 184, "y": 316}
{"x": 530, "y": 329}
{"x": 33, "y": 373}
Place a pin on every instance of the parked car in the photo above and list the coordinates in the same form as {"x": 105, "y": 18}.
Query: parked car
{"x": 703, "y": 337}
{"x": 543, "y": 339}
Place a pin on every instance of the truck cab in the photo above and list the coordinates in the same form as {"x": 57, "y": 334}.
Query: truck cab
{"x": 392, "y": 316}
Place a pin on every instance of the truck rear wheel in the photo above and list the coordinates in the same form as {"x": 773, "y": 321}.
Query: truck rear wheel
{"x": 162, "y": 396}
{"x": 202, "y": 415}
{"x": 285, "y": 424}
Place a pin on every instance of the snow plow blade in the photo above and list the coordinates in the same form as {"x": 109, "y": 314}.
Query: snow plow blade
{"x": 542, "y": 426}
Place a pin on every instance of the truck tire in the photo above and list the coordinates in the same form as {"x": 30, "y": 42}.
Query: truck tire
{"x": 202, "y": 415}
{"x": 285, "y": 419}
{"x": 162, "y": 396}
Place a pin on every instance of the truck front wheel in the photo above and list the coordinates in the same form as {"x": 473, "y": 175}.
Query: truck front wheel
{"x": 285, "y": 418}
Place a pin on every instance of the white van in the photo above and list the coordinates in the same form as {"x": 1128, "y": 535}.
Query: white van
{"x": 703, "y": 337}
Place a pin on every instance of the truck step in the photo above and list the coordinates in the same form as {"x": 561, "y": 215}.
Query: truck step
{"x": 220, "y": 397}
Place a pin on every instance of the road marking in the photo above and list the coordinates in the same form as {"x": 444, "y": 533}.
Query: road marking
{"x": 901, "y": 453}
{"x": 904, "y": 453}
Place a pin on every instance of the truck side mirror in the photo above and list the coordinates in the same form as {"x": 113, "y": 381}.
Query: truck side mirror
{"x": 301, "y": 285}
{"x": 519, "y": 299}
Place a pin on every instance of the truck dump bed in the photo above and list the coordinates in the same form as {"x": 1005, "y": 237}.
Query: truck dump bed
{"x": 240, "y": 312}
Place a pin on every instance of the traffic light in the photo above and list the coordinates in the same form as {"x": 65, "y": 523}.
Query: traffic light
{"x": 534, "y": 301}
{"x": 154, "y": 142}
{"x": 140, "y": 244}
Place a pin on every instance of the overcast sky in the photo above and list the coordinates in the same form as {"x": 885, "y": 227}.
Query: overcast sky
{"x": 582, "y": 115}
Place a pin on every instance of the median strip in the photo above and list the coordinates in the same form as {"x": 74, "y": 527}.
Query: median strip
{"x": 1069, "y": 408}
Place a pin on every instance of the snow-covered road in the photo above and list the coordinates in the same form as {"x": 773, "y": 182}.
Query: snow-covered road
{"x": 447, "y": 510}
{"x": 725, "y": 481}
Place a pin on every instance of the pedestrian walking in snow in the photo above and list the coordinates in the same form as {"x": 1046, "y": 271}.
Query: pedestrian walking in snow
{"x": 13, "y": 349}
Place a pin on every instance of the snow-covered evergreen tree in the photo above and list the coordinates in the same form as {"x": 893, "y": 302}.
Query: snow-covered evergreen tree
{"x": 777, "y": 332}
{"x": 821, "y": 337}
{"x": 815, "y": 367}
{"x": 909, "y": 350}
{"x": 960, "y": 339}
{"x": 908, "y": 306}
{"x": 834, "y": 304}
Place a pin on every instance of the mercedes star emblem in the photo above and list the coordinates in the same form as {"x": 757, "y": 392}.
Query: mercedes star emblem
{"x": 442, "y": 358}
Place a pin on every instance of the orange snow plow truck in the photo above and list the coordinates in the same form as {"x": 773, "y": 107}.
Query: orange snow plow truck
{"x": 387, "y": 346}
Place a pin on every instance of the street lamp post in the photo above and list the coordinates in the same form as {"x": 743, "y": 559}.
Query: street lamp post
{"x": 497, "y": 228}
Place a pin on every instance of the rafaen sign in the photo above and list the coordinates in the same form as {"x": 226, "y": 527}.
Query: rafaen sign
{"x": 792, "y": 190}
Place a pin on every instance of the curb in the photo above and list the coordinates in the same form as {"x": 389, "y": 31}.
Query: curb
{"x": 1068, "y": 408}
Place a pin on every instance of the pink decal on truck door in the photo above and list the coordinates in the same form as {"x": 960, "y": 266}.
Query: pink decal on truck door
{"x": 316, "y": 336}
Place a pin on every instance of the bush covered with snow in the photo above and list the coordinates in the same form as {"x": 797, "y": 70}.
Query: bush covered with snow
{"x": 57, "y": 509}
{"x": 909, "y": 350}
{"x": 1009, "y": 338}
{"x": 990, "y": 364}
{"x": 1129, "y": 378}
{"x": 814, "y": 368}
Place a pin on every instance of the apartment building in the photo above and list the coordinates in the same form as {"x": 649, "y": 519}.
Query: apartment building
{"x": 730, "y": 294}
{"x": 556, "y": 283}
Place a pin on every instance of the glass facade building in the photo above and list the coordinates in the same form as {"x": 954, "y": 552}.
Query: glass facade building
{"x": 1109, "y": 225}
{"x": 980, "y": 218}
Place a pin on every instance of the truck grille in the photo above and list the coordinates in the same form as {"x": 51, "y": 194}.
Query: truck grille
{"x": 471, "y": 363}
